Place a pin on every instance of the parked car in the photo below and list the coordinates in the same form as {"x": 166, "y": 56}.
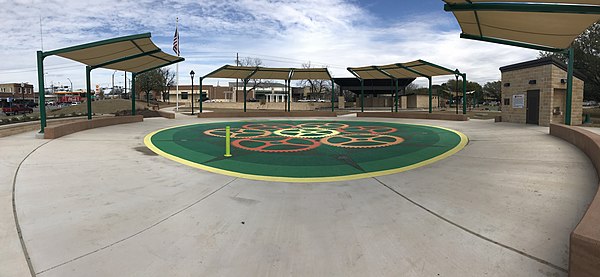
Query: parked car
{"x": 16, "y": 109}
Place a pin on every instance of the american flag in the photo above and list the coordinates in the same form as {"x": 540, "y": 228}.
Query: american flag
{"x": 176, "y": 42}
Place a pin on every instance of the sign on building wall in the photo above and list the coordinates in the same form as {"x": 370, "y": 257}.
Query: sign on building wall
{"x": 518, "y": 101}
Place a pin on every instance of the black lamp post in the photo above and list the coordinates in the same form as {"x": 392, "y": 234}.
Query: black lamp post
{"x": 192, "y": 75}
{"x": 456, "y": 74}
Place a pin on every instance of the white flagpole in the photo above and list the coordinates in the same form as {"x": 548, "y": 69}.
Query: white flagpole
{"x": 177, "y": 66}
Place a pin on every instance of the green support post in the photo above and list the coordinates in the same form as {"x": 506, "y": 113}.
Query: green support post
{"x": 245, "y": 83}
{"x": 397, "y": 95}
{"x": 362, "y": 95}
{"x": 332, "y": 96}
{"x": 289, "y": 89}
{"x": 133, "y": 75}
{"x": 88, "y": 71}
{"x": 227, "y": 141}
{"x": 464, "y": 77}
{"x": 391, "y": 90}
{"x": 569, "y": 87}
{"x": 200, "y": 88}
{"x": 430, "y": 95}
{"x": 41, "y": 92}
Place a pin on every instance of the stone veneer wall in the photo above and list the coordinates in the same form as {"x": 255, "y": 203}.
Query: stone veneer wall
{"x": 552, "y": 94}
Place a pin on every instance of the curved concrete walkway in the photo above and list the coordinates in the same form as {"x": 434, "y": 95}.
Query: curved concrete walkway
{"x": 98, "y": 203}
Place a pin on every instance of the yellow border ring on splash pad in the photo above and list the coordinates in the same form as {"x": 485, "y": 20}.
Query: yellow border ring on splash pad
{"x": 461, "y": 144}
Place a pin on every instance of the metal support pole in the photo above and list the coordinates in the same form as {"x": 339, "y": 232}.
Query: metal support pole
{"x": 332, "y": 96}
{"x": 430, "y": 95}
{"x": 397, "y": 95}
{"x": 464, "y": 77}
{"x": 88, "y": 70}
{"x": 200, "y": 94}
{"x": 41, "y": 90}
{"x": 133, "y": 75}
{"x": 192, "y": 94}
{"x": 245, "y": 83}
{"x": 289, "y": 85}
{"x": 392, "y": 93}
{"x": 227, "y": 139}
{"x": 456, "y": 93}
{"x": 569, "y": 87}
{"x": 362, "y": 95}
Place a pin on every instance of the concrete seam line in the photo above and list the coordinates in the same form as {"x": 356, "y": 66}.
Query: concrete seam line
{"x": 138, "y": 232}
{"x": 473, "y": 232}
{"x": 14, "y": 208}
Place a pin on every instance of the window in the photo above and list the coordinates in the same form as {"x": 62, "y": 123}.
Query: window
{"x": 506, "y": 101}
{"x": 184, "y": 95}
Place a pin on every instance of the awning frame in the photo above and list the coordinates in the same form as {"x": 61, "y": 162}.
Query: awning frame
{"x": 382, "y": 69}
{"x": 508, "y": 6}
{"x": 254, "y": 70}
{"x": 42, "y": 55}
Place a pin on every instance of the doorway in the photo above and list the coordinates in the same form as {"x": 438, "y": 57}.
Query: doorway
{"x": 533, "y": 107}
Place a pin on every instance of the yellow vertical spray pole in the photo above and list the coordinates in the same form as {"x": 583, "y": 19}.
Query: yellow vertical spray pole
{"x": 227, "y": 141}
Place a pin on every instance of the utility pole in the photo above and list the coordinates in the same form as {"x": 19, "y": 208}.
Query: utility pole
{"x": 125, "y": 81}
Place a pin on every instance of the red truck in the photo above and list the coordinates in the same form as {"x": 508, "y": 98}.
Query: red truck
{"x": 16, "y": 109}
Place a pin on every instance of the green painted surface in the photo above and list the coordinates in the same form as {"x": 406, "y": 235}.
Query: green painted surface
{"x": 351, "y": 147}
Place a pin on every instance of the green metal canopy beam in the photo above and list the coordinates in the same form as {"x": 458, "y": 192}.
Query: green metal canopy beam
{"x": 522, "y": 7}
{"x": 512, "y": 43}
{"x": 362, "y": 89}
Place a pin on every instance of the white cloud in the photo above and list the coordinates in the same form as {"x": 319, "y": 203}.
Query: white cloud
{"x": 336, "y": 33}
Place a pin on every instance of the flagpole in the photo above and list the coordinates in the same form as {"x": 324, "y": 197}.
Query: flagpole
{"x": 177, "y": 67}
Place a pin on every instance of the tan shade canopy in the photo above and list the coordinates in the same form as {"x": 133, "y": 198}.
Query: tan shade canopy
{"x": 245, "y": 72}
{"x": 414, "y": 69}
{"x": 136, "y": 53}
{"x": 544, "y": 23}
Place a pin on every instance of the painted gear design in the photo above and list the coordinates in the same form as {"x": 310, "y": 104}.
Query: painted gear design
{"x": 268, "y": 126}
{"x": 276, "y": 144}
{"x": 323, "y": 125}
{"x": 362, "y": 140}
{"x": 374, "y": 130}
{"x": 306, "y": 132}
{"x": 238, "y": 133}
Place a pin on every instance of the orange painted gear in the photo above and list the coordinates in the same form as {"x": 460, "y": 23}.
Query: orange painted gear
{"x": 374, "y": 130}
{"x": 278, "y": 145}
{"x": 238, "y": 133}
{"x": 268, "y": 126}
{"x": 323, "y": 125}
{"x": 361, "y": 140}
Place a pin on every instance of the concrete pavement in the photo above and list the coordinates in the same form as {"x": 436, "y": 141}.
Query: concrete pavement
{"x": 98, "y": 203}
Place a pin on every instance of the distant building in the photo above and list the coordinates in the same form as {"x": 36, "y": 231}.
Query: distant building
{"x": 11, "y": 91}
{"x": 534, "y": 92}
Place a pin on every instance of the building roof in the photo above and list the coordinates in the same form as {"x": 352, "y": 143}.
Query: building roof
{"x": 549, "y": 25}
{"x": 540, "y": 62}
{"x": 371, "y": 86}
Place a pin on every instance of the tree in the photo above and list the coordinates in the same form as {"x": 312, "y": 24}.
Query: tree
{"x": 253, "y": 62}
{"x": 493, "y": 90}
{"x": 316, "y": 87}
{"x": 168, "y": 80}
{"x": 450, "y": 90}
{"x": 148, "y": 82}
{"x": 587, "y": 60}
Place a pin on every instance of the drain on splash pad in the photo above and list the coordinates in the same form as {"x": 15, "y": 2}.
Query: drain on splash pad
{"x": 307, "y": 151}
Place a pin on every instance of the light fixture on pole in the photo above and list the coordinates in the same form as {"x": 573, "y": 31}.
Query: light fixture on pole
{"x": 71, "y": 84}
{"x": 192, "y": 75}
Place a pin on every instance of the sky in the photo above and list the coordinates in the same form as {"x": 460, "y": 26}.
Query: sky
{"x": 282, "y": 33}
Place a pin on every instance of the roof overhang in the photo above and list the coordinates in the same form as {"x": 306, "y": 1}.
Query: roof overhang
{"x": 414, "y": 69}
{"x": 246, "y": 72}
{"x": 548, "y": 25}
{"x": 135, "y": 53}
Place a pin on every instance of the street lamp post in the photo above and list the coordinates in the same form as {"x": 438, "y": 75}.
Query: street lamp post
{"x": 112, "y": 91}
{"x": 192, "y": 75}
{"x": 71, "y": 84}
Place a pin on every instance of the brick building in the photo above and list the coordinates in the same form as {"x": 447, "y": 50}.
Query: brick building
{"x": 16, "y": 91}
{"x": 534, "y": 92}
